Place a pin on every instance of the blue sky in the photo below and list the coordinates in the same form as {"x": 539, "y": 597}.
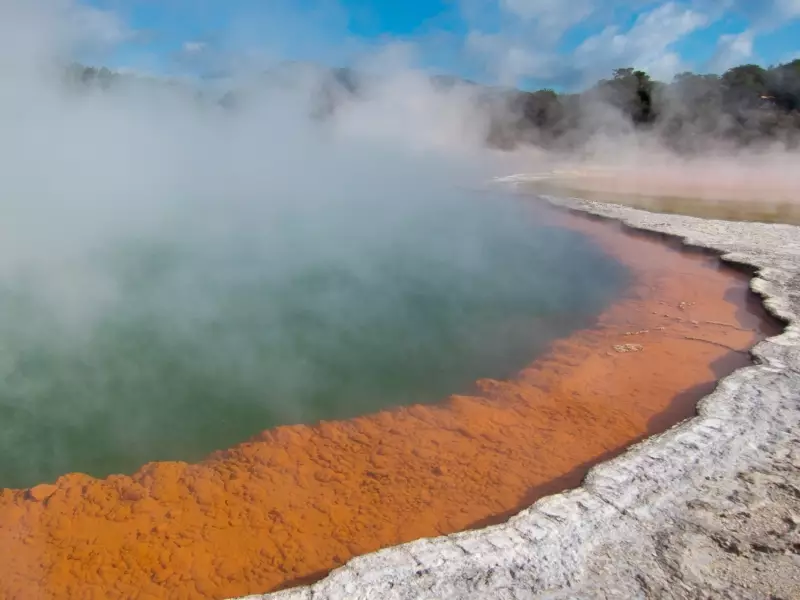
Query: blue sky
{"x": 563, "y": 44}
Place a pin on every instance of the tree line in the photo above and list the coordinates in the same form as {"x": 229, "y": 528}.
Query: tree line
{"x": 747, "y": 105}
{"x": 744, "y": 106}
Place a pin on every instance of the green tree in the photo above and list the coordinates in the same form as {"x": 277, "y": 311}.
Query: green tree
{"x": 744, "y": 86}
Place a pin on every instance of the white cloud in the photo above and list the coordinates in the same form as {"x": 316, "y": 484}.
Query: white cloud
{"x": 192, "y": 47}
{"x": 530, "y": 9}
{"x": 551, "y": 18}
{"x": 646, "y": 45}
{"x": 525, "y": 45}
{"x": 732, "y": 50}
{"x": 764, "y": 15}
{"x": 509, "y": 60}
{"x": 788, "y": 8}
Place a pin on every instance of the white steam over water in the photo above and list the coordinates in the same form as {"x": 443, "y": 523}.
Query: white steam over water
{"x": 163, "y": 254}
{"x": 176, "y": 275}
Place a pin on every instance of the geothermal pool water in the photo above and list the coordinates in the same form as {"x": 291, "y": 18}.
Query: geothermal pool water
{"x": 212, "y": 337}
{"x": 297, "y": 501}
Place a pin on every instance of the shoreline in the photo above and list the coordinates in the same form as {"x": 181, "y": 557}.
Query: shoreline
{"x": 742, "y": 200}
{"x": 711, "y": 181}
{"x": 709, "y": 507}
{"x": 192, "y": 530}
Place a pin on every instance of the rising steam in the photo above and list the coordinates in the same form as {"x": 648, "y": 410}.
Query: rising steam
{"x": 143, "y": 214}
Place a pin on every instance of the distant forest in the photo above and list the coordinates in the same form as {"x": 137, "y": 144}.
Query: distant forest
{"x": 747, "y": 105}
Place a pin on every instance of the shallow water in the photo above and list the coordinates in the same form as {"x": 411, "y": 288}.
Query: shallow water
{"x": 207, "y": 335}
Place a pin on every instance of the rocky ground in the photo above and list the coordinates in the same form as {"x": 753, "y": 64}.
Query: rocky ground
{"x": 709, "y": 509}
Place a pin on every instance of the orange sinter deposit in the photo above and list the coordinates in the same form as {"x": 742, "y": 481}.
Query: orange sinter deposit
{"x": 298, "y": 501}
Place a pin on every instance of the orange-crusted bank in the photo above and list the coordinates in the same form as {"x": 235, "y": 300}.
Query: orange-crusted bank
{"x": 298, "y": 501}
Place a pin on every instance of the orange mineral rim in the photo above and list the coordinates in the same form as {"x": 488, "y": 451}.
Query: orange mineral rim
{"x": 290, "y": 505}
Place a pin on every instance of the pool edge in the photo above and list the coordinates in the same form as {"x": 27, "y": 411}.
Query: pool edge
{"x": 628, "y": 505}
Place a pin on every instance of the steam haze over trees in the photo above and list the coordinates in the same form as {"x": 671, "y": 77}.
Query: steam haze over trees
{"x": 747, "y": 105}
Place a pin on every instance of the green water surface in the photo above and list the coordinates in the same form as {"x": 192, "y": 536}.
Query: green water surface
{"x": 205, "y": 336}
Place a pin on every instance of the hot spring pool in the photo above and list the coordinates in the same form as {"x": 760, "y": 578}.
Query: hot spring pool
{"x": 206, "y": 330}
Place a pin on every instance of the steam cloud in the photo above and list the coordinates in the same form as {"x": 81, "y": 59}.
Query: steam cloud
{"x": 87, "y": 174}
{"x": 140, "y": 222}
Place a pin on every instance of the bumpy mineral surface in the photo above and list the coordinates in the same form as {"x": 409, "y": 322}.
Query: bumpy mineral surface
{"x": 709, "y": 509}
